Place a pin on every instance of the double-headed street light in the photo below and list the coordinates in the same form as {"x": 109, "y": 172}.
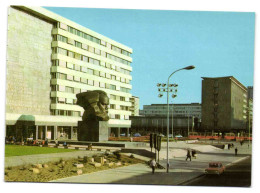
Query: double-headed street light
{"x": 168, "y": 112}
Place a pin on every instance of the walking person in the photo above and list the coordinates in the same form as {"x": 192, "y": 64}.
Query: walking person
{"x": 236, "y": 151}
{"x": 153, "y": 164}
{"x": 188, "y": 155}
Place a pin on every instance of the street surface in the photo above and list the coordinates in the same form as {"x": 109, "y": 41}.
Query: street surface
{"x": 237, "y": 175}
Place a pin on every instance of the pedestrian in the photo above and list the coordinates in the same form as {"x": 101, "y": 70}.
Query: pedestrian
{"x": 194, "y": 153}
{"x": 90, "y": 146}
{"x": 228, "y": 146}
{"x": 153, "y": 164}
{"x": 236, "y": 151}
{"x": 188, "y": 155}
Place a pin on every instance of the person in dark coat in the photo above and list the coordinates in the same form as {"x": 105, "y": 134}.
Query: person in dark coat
{"x": 236, "y": 151}
{"x": 188, "y": 156}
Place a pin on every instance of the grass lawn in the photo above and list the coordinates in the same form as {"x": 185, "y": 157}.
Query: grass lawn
{"x": 18, "y": 150}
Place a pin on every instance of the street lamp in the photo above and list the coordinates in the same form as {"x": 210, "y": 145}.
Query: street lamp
{"x": 168, "y": 112}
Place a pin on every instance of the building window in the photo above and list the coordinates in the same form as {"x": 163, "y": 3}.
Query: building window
{"x": 77, "y": 56}
{"x": 84, "y": 80}
{"x": 97, "y": 51}
{"x": 76, "y": 78}
{"x": 71, "y": 41}
{"x": 63, "y": 26}
{"x": 91, "y": 82}
{"x": 96, "y": 83}
{"x": 71, "y": 54}
{"x": 84, "y": 69}
{"x": 77, "y": 67}
{"x": 90, "y": 71}
{"x": 69, "y": 77}
{"x": 62, "y": 38}
{"x": 78, "y": 44}
{"x": 102, "y": 85}
{"x": 91, "y": 49}
{"x": 69, "y": 89}
{"x": 69, "y": 65}
{"x": 84, "y": 58}
{"x": 62, "y": 51}
{"x": 76, "y": 90}
{"x": 61, "y": 88}
{"x": 113, "y": 97}
{"x": 69, "y": 101}
{"x": 102, "y": 74}
{"x": 122, "y": 98}
{"x": 112, "y": 87}
{"x": 107, "y": 86}
{"x": 96, "y": 72}
{"x": 103, "y": 43}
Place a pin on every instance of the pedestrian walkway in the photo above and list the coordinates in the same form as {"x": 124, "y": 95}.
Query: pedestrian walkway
{"x": 180, "y": 170}
{"x": 134, "y": 174}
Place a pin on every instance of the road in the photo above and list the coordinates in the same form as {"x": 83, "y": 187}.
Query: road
{"x": 236, "y": 175}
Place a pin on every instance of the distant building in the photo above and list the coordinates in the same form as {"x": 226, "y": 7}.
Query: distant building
{"x": 176, "y": 110}
{"x": 224, "y": 105}
{"x": 158, "y": 124}
{"x": 134, "y": 106}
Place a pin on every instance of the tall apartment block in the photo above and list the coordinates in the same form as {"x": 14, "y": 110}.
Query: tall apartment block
{"x": 49, "y": 60}
{"x": 224, "y": 105}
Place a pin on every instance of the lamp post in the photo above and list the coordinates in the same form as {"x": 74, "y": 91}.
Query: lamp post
{"x": 168, "y": 111}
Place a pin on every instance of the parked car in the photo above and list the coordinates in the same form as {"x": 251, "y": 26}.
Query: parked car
{"x": 137, "y": 135}
{"x": 123, "y": 135}
{"x": 215, "y": 168}
{"x": 178, "y": 136}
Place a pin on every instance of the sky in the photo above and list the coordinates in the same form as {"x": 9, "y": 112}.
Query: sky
{"x": 216, "y": 43}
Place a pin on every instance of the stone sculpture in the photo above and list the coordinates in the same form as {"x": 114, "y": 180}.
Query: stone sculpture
{"x": 94, "y": 124}
{"x": 95, "y": 104}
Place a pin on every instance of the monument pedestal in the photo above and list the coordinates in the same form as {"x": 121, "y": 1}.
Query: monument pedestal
{"x": 96, "y": 131}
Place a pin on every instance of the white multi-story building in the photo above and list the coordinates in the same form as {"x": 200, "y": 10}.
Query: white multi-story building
{"x": 176, "y": 110}
{"x": 49, "y": 60}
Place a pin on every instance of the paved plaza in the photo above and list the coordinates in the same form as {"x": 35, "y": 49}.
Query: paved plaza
{"x": 180, "y": 170}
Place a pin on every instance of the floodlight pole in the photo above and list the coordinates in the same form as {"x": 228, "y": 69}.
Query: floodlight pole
{"x": 168, "y": 113}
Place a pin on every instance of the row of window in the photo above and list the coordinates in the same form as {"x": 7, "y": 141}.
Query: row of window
{"x": 117, "y": 116}
{"x": 90, "y": 60}
{"x": 86, "y": 70}
{"x": 78, "y": 114}
{"x": 61, "y": 100}
{"x": 74, "y": 90}
{"x": 89, "y": 48}
{"x": 93, "y": 39}
{"x": 65, "y": 113}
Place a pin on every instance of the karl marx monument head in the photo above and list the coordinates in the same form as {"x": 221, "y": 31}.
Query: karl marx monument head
{"x": 95, "y": 104}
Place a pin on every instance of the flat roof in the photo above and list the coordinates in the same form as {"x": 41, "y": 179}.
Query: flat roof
{"x": 53, "y": 17}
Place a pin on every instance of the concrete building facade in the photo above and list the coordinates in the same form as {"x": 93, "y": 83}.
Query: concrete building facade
{"x": 49, "y": 60}
{"x": 224, "y": 104}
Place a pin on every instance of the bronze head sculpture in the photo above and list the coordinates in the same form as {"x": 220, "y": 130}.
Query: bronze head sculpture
{"x": 95, "y": 104}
